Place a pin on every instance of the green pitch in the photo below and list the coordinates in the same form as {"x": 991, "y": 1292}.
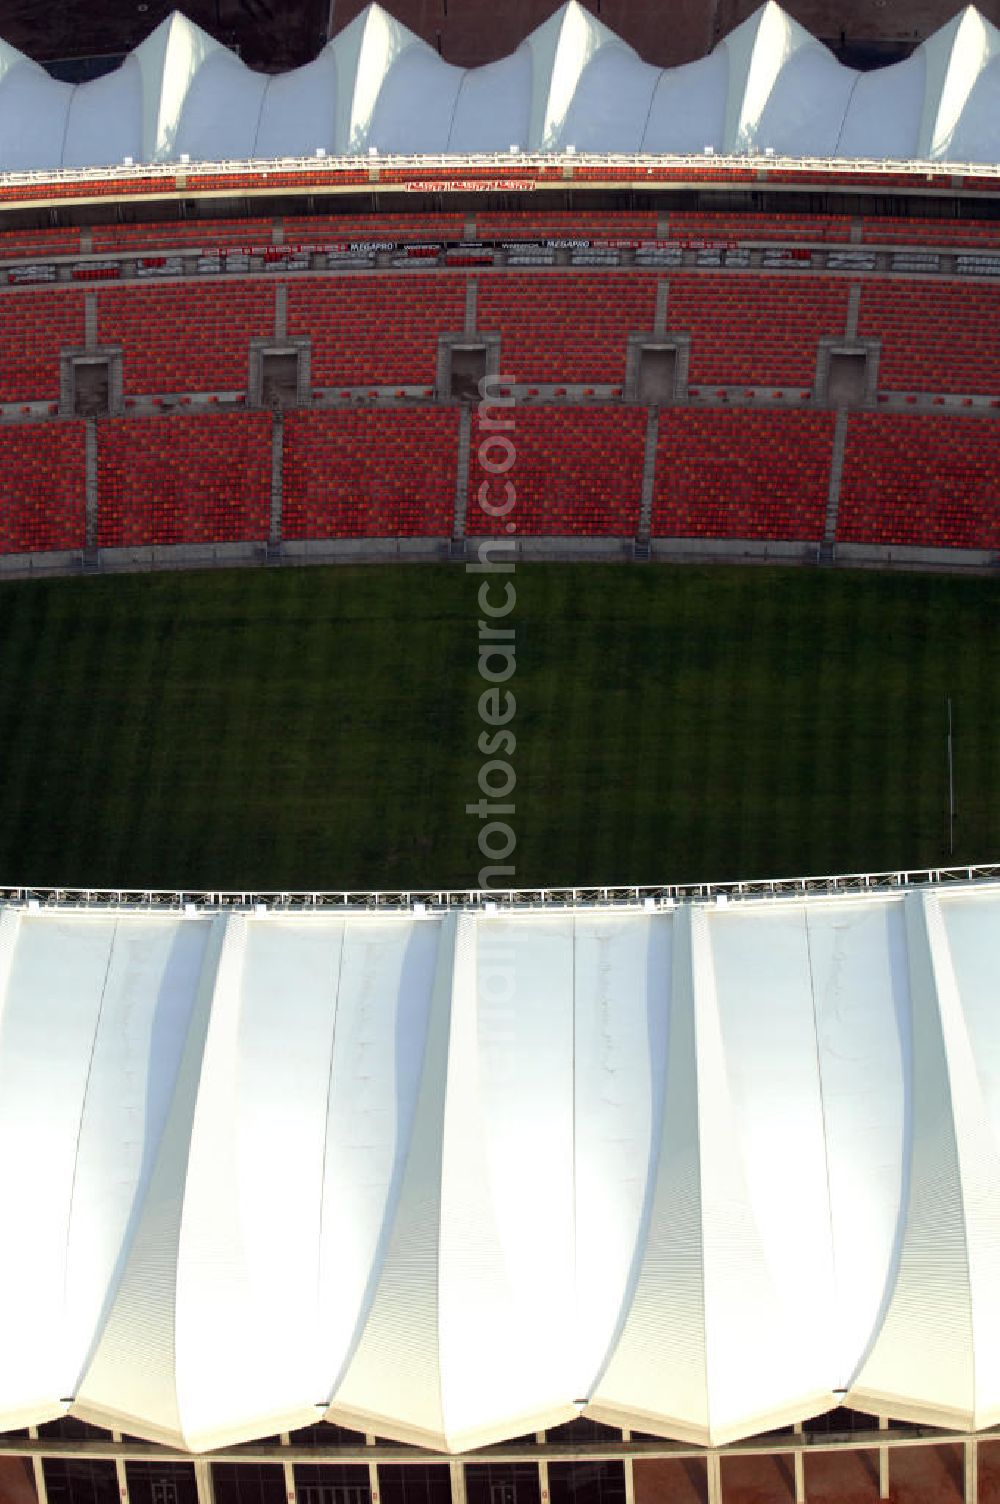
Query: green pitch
{"x": 317, "y": 728}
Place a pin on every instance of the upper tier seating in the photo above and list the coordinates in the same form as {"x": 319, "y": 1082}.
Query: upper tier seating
{"x": 565, "y": 327}
{"x": 378, "y": 331}
{"x": 198, "y": 234}
{"x": 43, "y": 480}
{"x": 185, "y": 337}
{"x": 369, "y": 474}
{"x": 932, "y": 482}
{"x": 936, "y": 336}
{"x": 184, "y": 479}
{"x": 981, "y": 234}
{"x": 742, "y": 474}
{"x": 320, "y": 228}
{"x": 561, "y": 223}
{"x": 20, "y": 244}
{"x": 682, "y": 225}
{"x": 574, "y": 472}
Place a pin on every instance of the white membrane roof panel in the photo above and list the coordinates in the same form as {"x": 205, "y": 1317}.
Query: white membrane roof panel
{"x": 693, "y": 1171}
{"x": 572, "y": 81}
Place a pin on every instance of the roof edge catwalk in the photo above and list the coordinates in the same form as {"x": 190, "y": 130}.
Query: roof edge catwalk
{"x": 768, "y": 86}
{"x": 700, "y": 1169}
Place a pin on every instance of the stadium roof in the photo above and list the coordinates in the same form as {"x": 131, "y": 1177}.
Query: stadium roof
{"x": 769, "y": 84}
{"x": 455, "y": 1177}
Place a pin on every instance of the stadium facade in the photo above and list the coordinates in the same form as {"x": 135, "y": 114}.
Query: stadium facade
{"x": 768, "y": 86}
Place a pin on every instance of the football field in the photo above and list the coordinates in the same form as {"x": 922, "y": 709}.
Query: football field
{"x": 318, "y": 728}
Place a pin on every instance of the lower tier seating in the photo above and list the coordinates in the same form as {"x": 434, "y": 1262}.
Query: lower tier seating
{"x": 742, "y": 475}
{"x": 932, "y": 482}
{"x": 43, "y": 481}
{"x": 573, "y": 472}
{"x": 184, "y": 480}
{"x": 738, "y": 473}
{"x": 350, "y": 474}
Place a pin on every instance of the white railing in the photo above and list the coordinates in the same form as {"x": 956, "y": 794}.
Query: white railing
{"x": 333, "y": 166}
{"x": 428, "y": 900}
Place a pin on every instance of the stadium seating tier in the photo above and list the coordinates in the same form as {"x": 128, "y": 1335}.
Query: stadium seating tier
{"x": 369, "y": 474}
{"x": 927, "y": 481}
{"x": 44, "y": 488}
{"x": 376, "y": 330}
{"x": 35, "y": 324}
{"x": 742, "y": 475}
{"x": 565, "y": 327}
{"x": 188, "y": 337}
{"x": 573, "y": 472}
{"x": 184, "y": 479}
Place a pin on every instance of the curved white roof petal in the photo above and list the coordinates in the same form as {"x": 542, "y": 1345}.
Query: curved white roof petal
{"x": 757, "y": 51}
{"x": 169, "y": 60}
{"x": 687, "y": 111}
{"x": 693, "y": 1172}
{"x": 977, "y": 131}
{"x": 418, "y": 74}
{"x": 104, "y": 121}
{"x": 560, "y": 50}
{"x": 804, "y": 114}
{"x": 221, "y": 110}
{"x": 299, "y": 110}
{"x": 493, "y": 105}
{"x": 610, "y": 106}
{"x": 955, "y": 58}
{"x": 883, "y": 116}
{"x": 33, "y": 114}
{"x": 365, "y": 53}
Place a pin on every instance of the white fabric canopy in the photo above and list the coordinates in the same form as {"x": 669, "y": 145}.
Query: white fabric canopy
{"x": 454, "y": 1178}
{"x": 571, "y": 82}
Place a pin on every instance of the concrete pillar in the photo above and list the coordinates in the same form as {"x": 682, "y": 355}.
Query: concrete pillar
{"x": 660, "y": 315}
{"x": 204, "y": 1482}
{"x": 91, "y": 500}
{"x": 799, "y": 1461}
{"x": 38, "y": 1471}
{"x": 648, "y": 473}
{"x": 972, "y": 1471}
{"x": 373, "y": 1488}
{"x": 277, "y": 477}
{"x": 543, "y": 1475}
{"x": 629, "y": 1475}
{"x": 460, "y": 514}
{"x": 714, "y": 1478}
{"x": 116, "y": 1437}
{"x": 883, "y": 1461}
{"x": 457, "y": 1471}
{"x": 90, "y": 319}
{"x": 288, "y": 1470}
